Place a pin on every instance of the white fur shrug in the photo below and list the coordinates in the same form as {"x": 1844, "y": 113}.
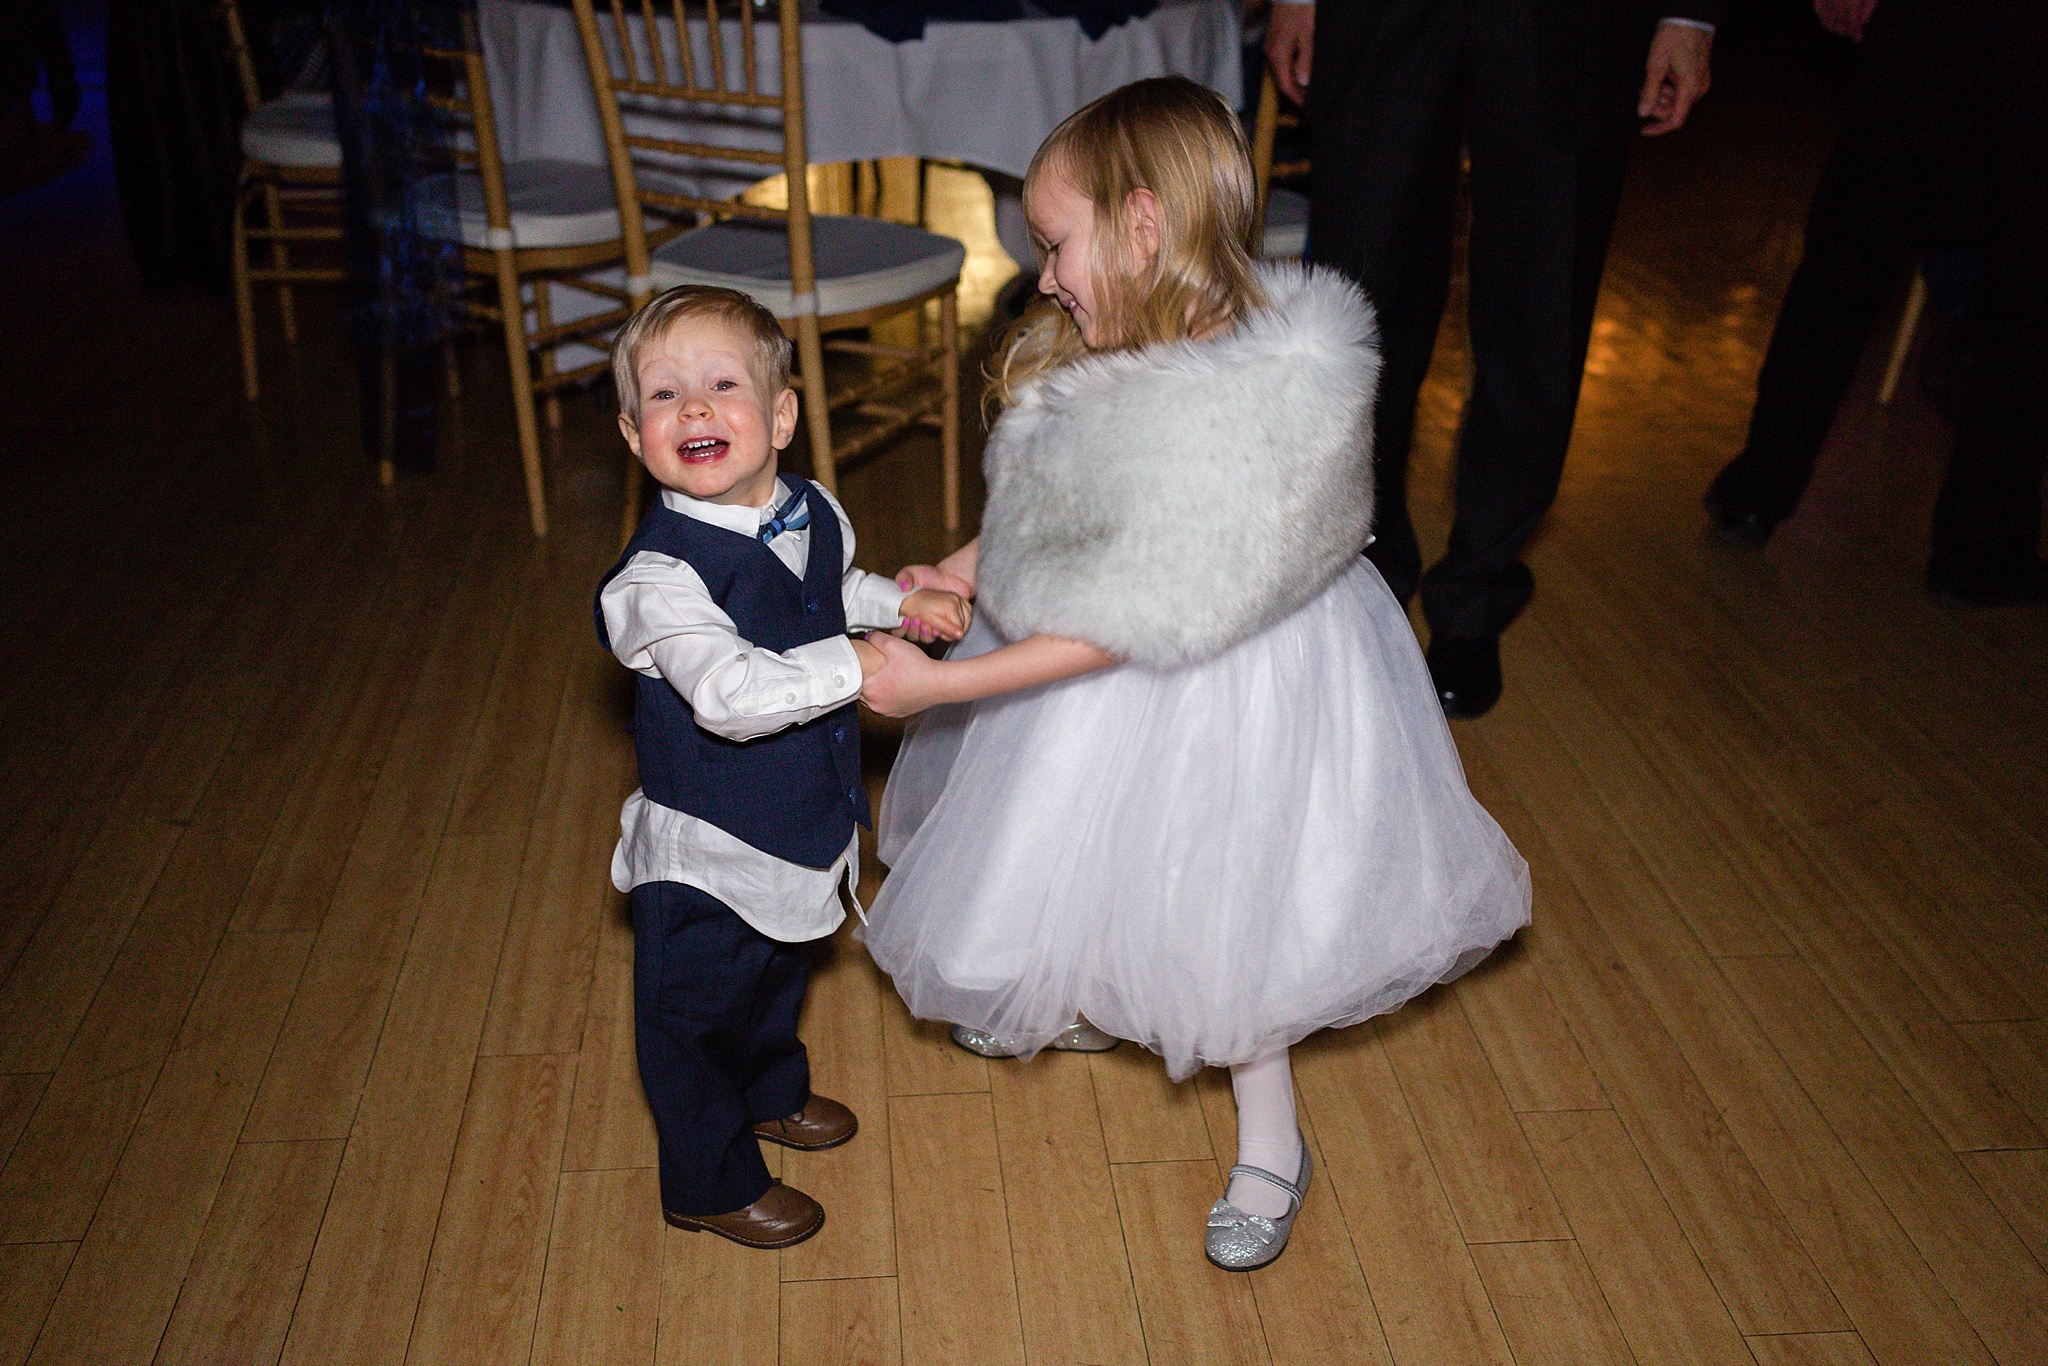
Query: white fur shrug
{"x": 1166, "y": 503}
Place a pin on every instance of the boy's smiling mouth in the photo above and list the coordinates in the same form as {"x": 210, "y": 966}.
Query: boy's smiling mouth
{"x": 702, "y": 449}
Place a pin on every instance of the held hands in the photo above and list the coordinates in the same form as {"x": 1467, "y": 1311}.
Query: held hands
{"x": 1674, "y": 78}
{"x": 931, "y": 614}
{"x": 903, "y": 679}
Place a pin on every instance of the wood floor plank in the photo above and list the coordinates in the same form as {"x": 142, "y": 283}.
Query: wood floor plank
{"x": 956, "y": 1278}
{"x": 565, "y": 888}
{"x": 719, "y": 1302}
{"x": 20, "y": 1094}
{"x": 125, "y": 1280}
{"x": 1732, "y": 1221}
{"x": 841, "y": 1322}
{"x": 1811, "y": 1349}
{"x": 363, "y": 1284}
{"x": 1193, "y": 1312}
{"x": 842, "y": 1029}
{"x": 1429, "y": 1296}
{"x": 1716, "y": 746}
{"x": 483, "y": 1279}
{"x": 315, "y": 1079}
{"x": 2017, "y": 1054}
{"x": 1549, "y": 1305}
{"x": 237, "y": 1298}
{"x": 1871, "y": 1266}
{"x": 610, "y": 1125}
{"x": 1677, "y": 841}
{"x": 30, "y": 1275}
{"x": 1972, "y": 1250}
{"x": 55, "y": 1177}
{"x": 601, "y": 1301}
{"x": 1145, "y": 1117}
{"x": 921, "y": 1060}
{"x": 2017, "y": 1183}
{"x": 1074, "y": 1294}
{"x": 348, "y": 729}
{"x": 1490, "y": 1177}
{"x": 1524, "y": 1036}
{"x": 1660, "y": 1294}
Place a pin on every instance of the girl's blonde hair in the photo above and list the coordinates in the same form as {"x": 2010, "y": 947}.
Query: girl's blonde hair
{"x": 1181, "y": 142}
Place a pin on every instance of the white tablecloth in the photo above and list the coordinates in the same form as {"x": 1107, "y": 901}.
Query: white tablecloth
{"x": 981, "y": 93}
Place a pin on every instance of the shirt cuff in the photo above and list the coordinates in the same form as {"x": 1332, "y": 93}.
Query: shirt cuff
{"x": 1702, "y": 25}
{"x": 875, "y": 603}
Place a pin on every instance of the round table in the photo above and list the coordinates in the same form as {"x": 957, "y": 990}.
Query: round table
{"x": 985, "y": 94}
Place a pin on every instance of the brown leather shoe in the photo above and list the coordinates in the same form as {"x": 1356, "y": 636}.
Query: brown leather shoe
{"x": 784, "y": 1217}
{"x": 822, "y": 1123}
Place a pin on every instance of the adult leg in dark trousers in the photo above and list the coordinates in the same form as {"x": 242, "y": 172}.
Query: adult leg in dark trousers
{"x": 1946, "y": 143}
{"x": 715, "y": 1006}
{"x": 1542, "y": 207}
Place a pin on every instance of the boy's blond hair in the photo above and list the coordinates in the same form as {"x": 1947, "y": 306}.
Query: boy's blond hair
{"x": 666, "y": 310}
{"x": 1184, "y": 144}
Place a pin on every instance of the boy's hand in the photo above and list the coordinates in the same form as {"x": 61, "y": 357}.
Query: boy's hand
{"x": 871, "y": 659}
{"x": 907, "y": 682}
{"x": 931, "y": 614}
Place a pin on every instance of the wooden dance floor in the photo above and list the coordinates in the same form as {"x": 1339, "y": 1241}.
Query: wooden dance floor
{"x": 315, "y": 1027}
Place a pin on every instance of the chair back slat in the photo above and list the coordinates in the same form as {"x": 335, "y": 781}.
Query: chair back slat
{"x": 703, "y": 92}
{"x": 238, "y": 51}
{"x": 655, "y": 55}
{"x": 626, "y": 51}
{"x": 750, "y": 68}
{"x": 714, "y": 39}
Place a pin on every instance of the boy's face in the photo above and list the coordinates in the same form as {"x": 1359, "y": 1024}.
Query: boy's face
{"x": 707, "y": 428}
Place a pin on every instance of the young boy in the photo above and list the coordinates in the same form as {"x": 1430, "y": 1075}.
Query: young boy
{"x": 733, "y": 602}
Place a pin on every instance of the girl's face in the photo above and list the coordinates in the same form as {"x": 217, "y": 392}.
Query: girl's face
{"x": 1063, "y": 222}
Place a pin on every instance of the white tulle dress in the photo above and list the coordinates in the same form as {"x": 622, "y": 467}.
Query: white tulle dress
{"x": 1213, "y": 860}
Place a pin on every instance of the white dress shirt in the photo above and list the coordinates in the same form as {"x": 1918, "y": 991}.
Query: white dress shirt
{"x": 663, "y": 624}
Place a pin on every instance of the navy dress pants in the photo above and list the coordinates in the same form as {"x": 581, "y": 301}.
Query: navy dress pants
{"x": 715, "y": 1006}
{"x": 1445, "y": 75}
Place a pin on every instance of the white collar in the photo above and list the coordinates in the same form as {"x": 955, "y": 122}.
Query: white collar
{"x": 731, "y": 516}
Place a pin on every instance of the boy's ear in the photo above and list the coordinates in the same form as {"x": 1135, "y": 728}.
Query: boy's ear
{"x": 1143, "y": 218}
{"x": 631, "y": 431}
{"x": 783, "y": 428}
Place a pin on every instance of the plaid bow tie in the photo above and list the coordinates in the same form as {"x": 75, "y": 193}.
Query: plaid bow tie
{"x": 793, "y": 515}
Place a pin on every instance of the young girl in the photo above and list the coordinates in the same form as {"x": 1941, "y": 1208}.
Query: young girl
{"x": 1186, "y": 776}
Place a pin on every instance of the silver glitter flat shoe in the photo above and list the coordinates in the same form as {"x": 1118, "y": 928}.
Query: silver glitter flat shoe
{"x": 1245, "y": 1242}
{"x": 1078, "y": 1037}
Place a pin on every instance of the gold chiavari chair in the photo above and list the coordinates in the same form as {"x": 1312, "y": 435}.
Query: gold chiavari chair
{"x": 291, "y": 163}
{"x": 1284, "y": 212}
{"x": 818, "y": 273}
{"x": 527, "y": 229}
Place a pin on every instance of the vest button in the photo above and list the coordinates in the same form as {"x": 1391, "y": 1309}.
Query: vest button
{"x": 838, "y": 735}
{"x": 810, "y": 607}
{"x": 853, "y": 796}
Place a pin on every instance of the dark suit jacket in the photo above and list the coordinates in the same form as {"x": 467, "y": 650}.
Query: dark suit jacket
{"x": 1591, "y": 53}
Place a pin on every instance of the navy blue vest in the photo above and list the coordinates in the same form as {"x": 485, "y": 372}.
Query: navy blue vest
{"x": 794, "y": 794}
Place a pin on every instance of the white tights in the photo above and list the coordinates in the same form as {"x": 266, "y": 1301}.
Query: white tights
{"x": 1267, "y": 1136}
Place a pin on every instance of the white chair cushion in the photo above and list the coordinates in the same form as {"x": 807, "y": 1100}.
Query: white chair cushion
{"x": 296, "y": 130}
{"x": 862, "y": 262}
{"x": 552, "y": 204}
{"x": 1286, "y": 234}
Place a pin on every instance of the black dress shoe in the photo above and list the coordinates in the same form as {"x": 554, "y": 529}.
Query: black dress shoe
{"x": 1733, "y": 522}
{"x": 1466, "y": 672}
{"x": 2028, "y": 584}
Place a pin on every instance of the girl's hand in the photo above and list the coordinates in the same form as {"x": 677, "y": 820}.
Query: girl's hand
{"x": 915, "y": 577}
{"x": 908, "y": 681}
{"x": 931, "y": 614}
